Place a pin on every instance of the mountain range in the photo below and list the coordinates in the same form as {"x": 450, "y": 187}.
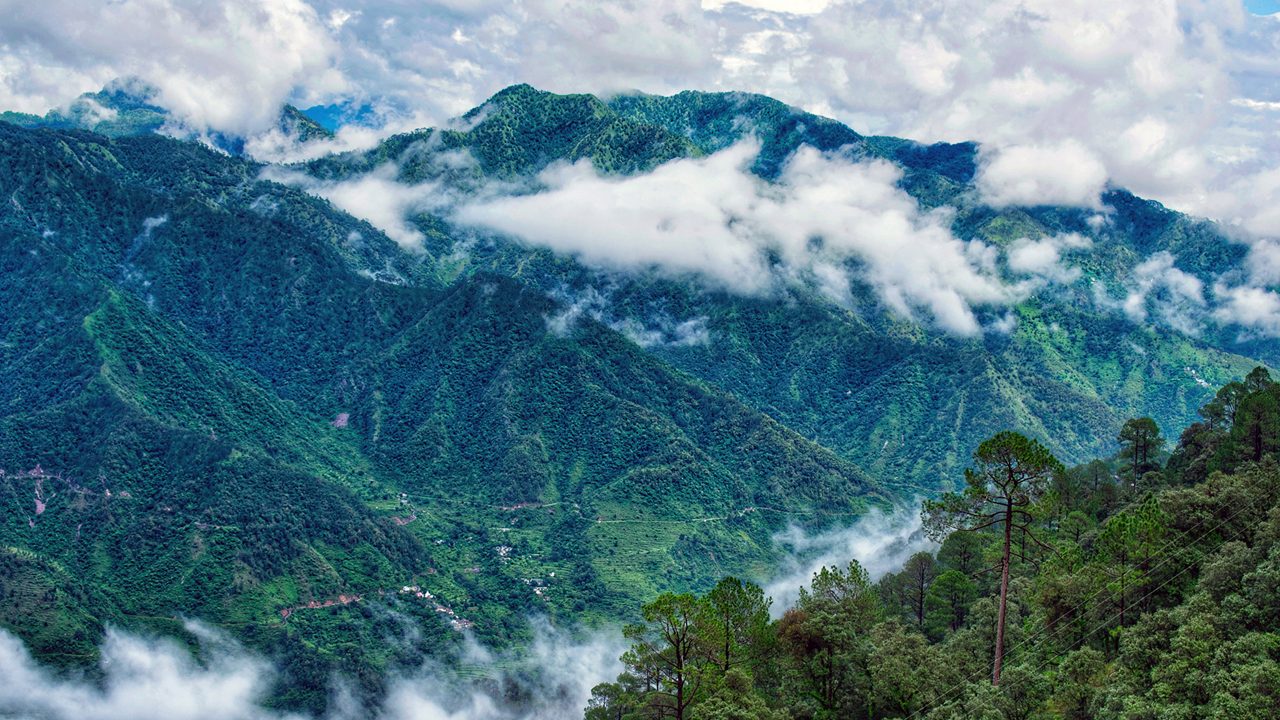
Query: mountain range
{"x": 241, "y": 392}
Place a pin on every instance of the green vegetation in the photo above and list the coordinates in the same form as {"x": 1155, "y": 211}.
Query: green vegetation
{"x": 859, "y": 380}
{"x": 1126, "y": 602}
{"x": 226, "y": 399}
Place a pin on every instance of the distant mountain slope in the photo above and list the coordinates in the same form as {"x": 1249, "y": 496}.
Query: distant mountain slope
{"x": 128, "y": 108}
{"x": 871, "y": 386}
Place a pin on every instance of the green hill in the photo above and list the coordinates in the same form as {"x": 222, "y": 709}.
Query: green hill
{"x": 864, "y": 383}
{"x": 226, "y": 399}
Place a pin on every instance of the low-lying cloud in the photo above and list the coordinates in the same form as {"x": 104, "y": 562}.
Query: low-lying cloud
{"x": 881, "y": 542}
{"x": 827, "y": 222}
{"x": 1066, "y": 173}
{"x": 1043, "y": 258}
{"x": 1175, "y": 297}
{"x": 376, "y": 197}
{"x": 1256, "y": 310}
{"x": 658, "y": 330}
{"x": 145, "y": 678}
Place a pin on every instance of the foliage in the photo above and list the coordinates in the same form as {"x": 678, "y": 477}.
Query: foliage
{"x": 1164, "y": 606}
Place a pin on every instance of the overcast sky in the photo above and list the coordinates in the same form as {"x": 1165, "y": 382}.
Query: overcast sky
{"x": 1178, "y": 100}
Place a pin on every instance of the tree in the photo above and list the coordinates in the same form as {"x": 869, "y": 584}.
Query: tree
{"x": 1130, "y": 539}
{"x": 665, "y": 651}
{"x": 1011, "y": 473}
{"x": 737, "y": 699}
{"x": 917, "y": 576}
{"x": 900, "y": 653}
{"x": 1078, "y": 679}
{"x": 616, "y": 700}
{"x": 947, "y": 604}
{"x": 1198, "y": 453}
{"x": 1140, "y": 442}
{"x": 1075, "y": 525}
{"x": 828, "y": 636}
{"x": 962, "y": 551}
{"x": 1256, "y": 432}
{"x": 734, "y": 625}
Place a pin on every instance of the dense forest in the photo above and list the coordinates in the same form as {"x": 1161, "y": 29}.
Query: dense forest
{"x": 1145, "y": 586}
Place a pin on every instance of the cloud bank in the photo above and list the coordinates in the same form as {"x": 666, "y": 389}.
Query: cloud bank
{"x": 1175, "y": 99}
{"x": 225, "y": 66}
{"x": 146, "y": 678}
{"x": 826, "y": 222}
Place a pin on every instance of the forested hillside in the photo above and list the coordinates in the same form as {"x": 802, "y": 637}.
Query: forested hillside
{"x": 854, "y": 376}
{"x": 318, "y": 407}
{"x": 298, "y": 420}
{"x": 1143, "y": 586}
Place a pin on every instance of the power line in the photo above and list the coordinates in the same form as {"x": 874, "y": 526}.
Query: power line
{"x": 951, "y": 691}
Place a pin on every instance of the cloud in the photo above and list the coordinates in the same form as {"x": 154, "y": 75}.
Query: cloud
{"x": 1264, "y": 262}
{"x": 1028, "y": 175}
{"x": 1176, "y": 297}
{"x": 146, "y": 678}
{"x": 1173, "y": 99}
{"x": 1043, "y": 258}
{"x": 657, "y": 331}
{"x": 376, "y": 197}
{"x": 226, "y": 66}
{"x": 1255, "y": 309}
{"x": 665, "y": 332}
{"x": 143, "y": 678}
{"x": 880, "y": 542}
{"x": 564, "y": 669}
{"x": 274, "y": 145}
{"x": 827, "y": 222}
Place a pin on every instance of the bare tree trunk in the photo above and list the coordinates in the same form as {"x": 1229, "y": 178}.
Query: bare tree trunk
{"x": 1004, "y": 592}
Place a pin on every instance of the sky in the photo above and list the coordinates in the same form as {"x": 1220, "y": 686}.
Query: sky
{"x": 1177, "y": 100}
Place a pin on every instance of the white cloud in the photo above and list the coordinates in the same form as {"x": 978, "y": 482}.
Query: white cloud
{"x": 665, "y": 332}
{"x": 1043, "y": 257}
{"x": 1255, "y": 309}
{"x": 880, "y": 542}
{"x": 1176, "y": 297}
{"x": 1174, "y": 98}
{"x": 1264, "y": 262}
{"x": 143, "y": 679}
{"x": 711, "y": 218}
{"x": 226, "y": 66}
{"x": 154, "y": 678}
{"x": 657, "y": 331}
{"x": 376, "y": 197}
{"x": 1067, "y": 173}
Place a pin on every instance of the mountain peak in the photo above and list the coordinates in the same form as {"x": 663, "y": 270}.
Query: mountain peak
{"x": 297, "y": 123}
{"x": 526, "y": 99}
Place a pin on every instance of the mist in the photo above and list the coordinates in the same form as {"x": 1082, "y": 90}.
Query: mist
{"x": 145, "y": 678}
{"x": 881, "y": 542}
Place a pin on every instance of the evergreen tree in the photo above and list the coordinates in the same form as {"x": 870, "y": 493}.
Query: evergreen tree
{"x": 1011, "y": 474}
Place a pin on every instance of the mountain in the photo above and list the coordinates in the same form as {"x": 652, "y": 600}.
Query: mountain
{"x": 121, "y": 108}
{"x": 227, "y": 398}
{"x": 127, "y": 108}
{"x": 860, "y": 380}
